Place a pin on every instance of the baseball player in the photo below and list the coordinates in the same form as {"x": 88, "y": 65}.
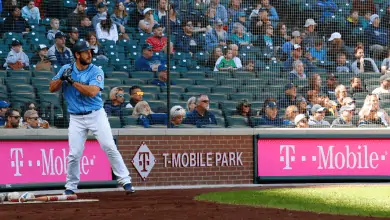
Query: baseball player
{"x": 82, "y": 83}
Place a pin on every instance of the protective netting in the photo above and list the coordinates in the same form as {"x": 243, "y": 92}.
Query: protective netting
{"x": 239, "y": 63}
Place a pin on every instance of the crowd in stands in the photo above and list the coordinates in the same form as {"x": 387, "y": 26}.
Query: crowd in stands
{"x": 318, "y": 53}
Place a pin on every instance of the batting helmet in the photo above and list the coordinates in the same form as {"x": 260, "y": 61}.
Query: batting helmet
{"x": 80, "y": 46}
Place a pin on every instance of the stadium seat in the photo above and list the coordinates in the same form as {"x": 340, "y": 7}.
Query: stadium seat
{"x": 149, "y": 96}
{"x": 236, "y": 122}
{"x": 151, "y": 89}
{"x": 240, "y": 96}
{"x": 232, "y": 82}
{"x": 174, "y": 88}
{"x": 3, "y": 92}
{"x": 112, "y": 82}
{"x": 117, "y": 75}
{"x": 115, "y": 122}
{"x": 15, "y": 81}
{"x": 155, "y": 105}
{"x": 221, "y": 122}
{"x": 198, "y": 89}
{"x": 194, "y": 75}
{"x": 220, "y": 97}
{"x": 142, "y": 75}
{"x": 224, "y": 89}
{"x": 19, "y": 73}
{"x": 173, "y": 96}
{"x": 184, "y": 81}
{"x": 21, "y": 88}
{"x": 133, "y": 82}
{"x": 219, "y": 75}
{"x": 206, "y": 82}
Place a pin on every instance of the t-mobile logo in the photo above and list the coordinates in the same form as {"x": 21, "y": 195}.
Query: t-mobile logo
{"x": 17, "y": 162}
{"x": 287, "y": 155}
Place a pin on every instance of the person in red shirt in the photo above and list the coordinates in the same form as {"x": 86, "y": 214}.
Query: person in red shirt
{"x": 157, "y": 41}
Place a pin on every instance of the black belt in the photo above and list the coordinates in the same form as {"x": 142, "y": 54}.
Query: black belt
{"x": 83, "y": 113}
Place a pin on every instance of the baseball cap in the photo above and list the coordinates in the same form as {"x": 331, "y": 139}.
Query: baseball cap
{"x": 373, "y": 17}
{"x": 346, "y": 108}
{"x": 60, "y": 34}
{"x": 335, "y": 35}
{"x": 16, "y": 43}
{"x": 297, "y": 46}
{"x": 309, "y": 22}
{"x": 31, "y": 114}
{"x": 4, "y": 104}
{"x": 146, "y": 10}
{"x": 296, "y": 34}
{"x": 73, "y": 30}
{"x": 219, "y": 22}
{"x": 101, "y": 5}
{"x": 80, "y": 46}
{"x": 271, "y": 105}
{"x": 161, "y": 68}
{"x": 81, "y": 2}
{"x": 146, "y": 46}
{"x": 317, "y": 108}
{"x": 241, "y": 14}
{"x": 289, "y": 86}
{"x": 156, "y": 26}
{"x": 41, "y": 47}
{"x": 299, "y": 118}
{"x": 301, "y": 99}
{"x": 384, "y": 77}
{"x": 331, "y": 76}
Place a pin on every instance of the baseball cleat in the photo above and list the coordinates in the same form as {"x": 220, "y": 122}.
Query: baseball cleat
{"x": 69, "y": 192}
{"x": 128, "y": 187}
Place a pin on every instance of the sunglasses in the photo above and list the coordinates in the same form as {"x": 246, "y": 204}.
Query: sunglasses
{"x": 139, "y": 93}
{"x": 350, "y": 103}
{"x": 246, "y": 106}
{"x": 120, "y": 95}
{"x": 205, "y": 101}
{"x": 16, "y": 117}
{"x": 321, "y": 112}
{"x": 303, "y": 121}
{"x": 35, "y": 118}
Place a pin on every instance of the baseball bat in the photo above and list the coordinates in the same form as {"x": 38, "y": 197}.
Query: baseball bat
{"x": 51, "y": 198}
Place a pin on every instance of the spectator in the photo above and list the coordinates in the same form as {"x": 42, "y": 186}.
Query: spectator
{"x": 177, "y": 115}
{"x": 137, "y": 14}
{"x": 371, "y": 113}
{"x": 191, "y": 104}
{"x": 73, "y": 33}
{"x": 336, "y": 45}
{"x": 281, "y": 36}
{"x": 17, "y": 59}
{"x": 302, "y": 106}
{"x": 106, "y": 29}
{"x": 221, "y": 12}
{"x": 147, "y": 117}
{"x": 116, "y": 104}
{"x": 345, "y": 118}
{"x": 330, "y": 105}
{"x": 318, "y": 115}
{"x": 200, "y": 115}
{"x": 4, "y": 107}
{"x": 249, "y": 66}
{"x": 157, "y": 41}
{"x": 119, "y": 17}
{"x": 327, "y": 8}
{"x": 217, "y": 36}
{"x": 273, "y": 15}
{"x": 385, "y": 67}
{"x": 298, "y": 71}
{"x": 234, "y": 8}
{"x": 136, "y": 95}
{"x": 146, "y": 25}
{"x": 85, "y": 27}
{"x": 289, "y": 97}
{"x": 352, "y": 27}
{"x": 59, "y": 54}
{"x": 13, "y": 118}
{"x": 310, "y": 33}
{"x": 386, "y": 18}
{"x": 160, "y": 11}
{"x": 243, "y": 109}
{"x": 362, "y": 64}
{"x": 290, "y": 115}
{"x": 15, "y": 23}
{"x": 187, "y": 42}
{"x": 363, "y": 6}
{"x": 32, "y": 120}
{"x": 55, "y": 25}
{"x": 312, "y": 98}
{"x": 174, "y": 21}
{"x": 318, "y": 51}
{"x": 101, "y": 15}
{"x": 97, "y": 49}
{"x": 237, "y": 60}
{"x": 297, "y": 56}
{"x": 31, "y": 13}
{"x": 376, "y": 36}
{"x": 340, "y": 93}
{"x": 9, "y": 6}
{"x": 270, "y": 117}
{"x": 290, "y": 45}
{"x": 259, "y": 22}
{"x": 301, "y": 121}
{"x": 356, "y": 85}
{"x": 239, "y": 37}
{"x": 162, "y": 77}
{"x": 350, "y": 102}
{"x": 242, "y": 20}
{"x": 366, "y": 19}
{"x": 341, "y": 65}
{"x": 74, "y": 18}
{"x": 148, "y": 61}
{"x": 227, "y": 63}
{"x": 384, "y": 86}
{"x": 314, "y": 83}
{"x": 41, "y": 60}
{"x": 331, "y": 84}
{"x": 215, "y": 54}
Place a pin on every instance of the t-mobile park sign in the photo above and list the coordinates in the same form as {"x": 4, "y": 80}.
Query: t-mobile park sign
{"x": 144, "y": 159}
{"x": 24, "y": 162}
{"x": 323, "y": 157}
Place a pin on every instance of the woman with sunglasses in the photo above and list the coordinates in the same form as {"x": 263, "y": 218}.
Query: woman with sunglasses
{"x": 243, "y": 108}
{"x": 146, "y": 25}
{"x": 116, "y": 103}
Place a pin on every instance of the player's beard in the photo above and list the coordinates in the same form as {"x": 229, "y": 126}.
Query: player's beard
{"x": 85, "y": 61}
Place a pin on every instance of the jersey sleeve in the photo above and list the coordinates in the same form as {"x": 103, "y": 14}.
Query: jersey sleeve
{"x": 97, "y": 78}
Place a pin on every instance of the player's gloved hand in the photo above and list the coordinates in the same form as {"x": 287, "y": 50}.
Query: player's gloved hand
{"x": 69, "y": 79}
{"x": 66, "y": 73}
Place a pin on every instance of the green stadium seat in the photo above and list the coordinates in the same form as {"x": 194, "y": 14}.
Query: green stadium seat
{"x": 184, "y": 81}
{"x": 117, "y": 75}
{"x": 372, "y": 81}
{"x": 133, "y": 55}
{"x": 151, "y": 89}
{"x": 219, "y": 75}
{"x": 142, "y": 75}
{"x": 15, "y": 81}
{"x": 360, "y": 95}
{"x": 131, "y": 121}
{"x": 236, "y": 122}
{"x": 232, "y": 82}
{"x": 44, "y": 74}
{"x": 173, "y": 96}
{"x": 198, "y": 89}
{"x": 21, "y": 88}
{"x": 19, "y": 73}
{"x": 188, "y": 95}
{"x": 181, "y": 103}
{"x": 40, "y": 81}
{"x": 42, "y": 88}
{"x": 221, "y": 122}
{"x": 133, "y": 82}
{"x": 149, "y": 96}
{"x": 174, "y": 75}
{"x": 244, "y": 75}
{"x": 174, "y": 88}
{"x": 3, "y": 73}
{"x": 224, "y": 89}
{"x": 206, "y": 82}
{"x": 3, "y": 92}
{"x": 194, "y": 75}
{"x": 229, "y": 104}
{"x": 115, "y": 122}
{"x": 220, "y": 97}
{"x": 157, "y": 104}
{"x": 112, "y": 82}
{"x": 22, "y": 97}
{"x": 216, "y": 112}
{"x": 241, "y": 95}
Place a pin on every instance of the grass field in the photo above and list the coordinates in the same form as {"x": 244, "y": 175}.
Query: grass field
{"x": 349, "y": 200}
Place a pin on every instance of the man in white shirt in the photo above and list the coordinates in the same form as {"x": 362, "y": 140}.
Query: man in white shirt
{"x": 236, "y": 59}
{"x": 385, "y": 85}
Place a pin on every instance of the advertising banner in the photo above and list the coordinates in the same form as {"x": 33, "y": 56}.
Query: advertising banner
{"x": 323, "y": 157}
{"x": 24, "y": 162}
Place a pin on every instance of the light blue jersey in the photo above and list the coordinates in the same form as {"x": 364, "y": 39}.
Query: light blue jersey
{"x": 77, "y": 102}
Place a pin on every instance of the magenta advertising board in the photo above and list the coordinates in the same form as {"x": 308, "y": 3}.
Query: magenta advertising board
{"x": 342, "y": 157}
{"x": 30, "y": 161}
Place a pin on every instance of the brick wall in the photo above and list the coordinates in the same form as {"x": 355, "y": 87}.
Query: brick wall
{"x": 211, "y": 159}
